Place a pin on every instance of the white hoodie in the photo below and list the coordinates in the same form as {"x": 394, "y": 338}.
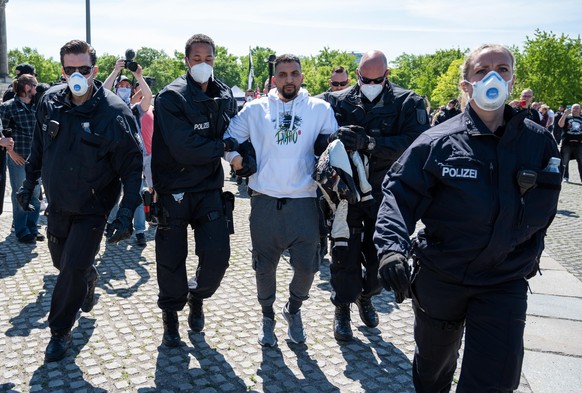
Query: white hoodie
{"x": 283, "y": 135}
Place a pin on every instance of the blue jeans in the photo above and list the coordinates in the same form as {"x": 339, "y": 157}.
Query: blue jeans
{"x": 24, "y": 221}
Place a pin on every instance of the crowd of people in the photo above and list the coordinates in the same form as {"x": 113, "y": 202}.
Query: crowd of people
{"x": 359, "y": 165}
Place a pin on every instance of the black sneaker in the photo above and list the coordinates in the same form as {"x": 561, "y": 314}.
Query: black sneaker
{"x": 140, "y": 239}
{"x": 342, "y": 327}
{"x": 196, "y": 315}
{"x": 89, "y": 301}
{"x": 28, "y": 239}
{"x": 40, "y": 237}
{"x": 368, "y": 313}
{"x": 57, "y": 347}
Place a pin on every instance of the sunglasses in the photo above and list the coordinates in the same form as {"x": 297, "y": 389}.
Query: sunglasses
{"x": 83, "y": 70}
{"x": 376, "y": 81}
{"x": 336, "y": 84}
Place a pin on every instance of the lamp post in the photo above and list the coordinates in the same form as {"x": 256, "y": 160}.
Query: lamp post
{"x": 3, "y": 42}
{"x": 87, "y": 18}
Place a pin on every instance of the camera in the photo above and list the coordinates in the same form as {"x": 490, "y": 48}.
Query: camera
{"x": 129, "y": 63}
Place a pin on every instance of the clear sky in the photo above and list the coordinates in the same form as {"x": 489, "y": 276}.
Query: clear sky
{"x": 302, "y": 27}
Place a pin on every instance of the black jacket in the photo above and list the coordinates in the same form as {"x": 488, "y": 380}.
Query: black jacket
{"x": 461, "y": 180}
{"x": 394, "y": 121}
{"x": 93, "y": 152}
{"x": 187, "y": 142}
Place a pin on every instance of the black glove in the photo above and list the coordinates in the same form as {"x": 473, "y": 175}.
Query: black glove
{"x": 121, "y": 227}
{"x": 394, "y": 273}
{"x": 353, "y": 137}
{"x": 249, "y": 166}
{"x": 230, "y": 144}
{"x": 24, "y": 195}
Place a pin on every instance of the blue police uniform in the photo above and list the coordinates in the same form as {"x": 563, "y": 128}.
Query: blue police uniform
{"x": 485, "y": 202}
{"x": 187, "y": 149}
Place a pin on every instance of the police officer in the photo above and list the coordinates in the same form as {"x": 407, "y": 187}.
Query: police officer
{"x": 190, "y": 118}
{"x": 391, "y": 118}
{"x": 485, "y": 185}
{"x": 85, "y": 148}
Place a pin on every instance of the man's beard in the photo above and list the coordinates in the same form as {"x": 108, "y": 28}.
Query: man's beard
{"x": 289, "y": 96}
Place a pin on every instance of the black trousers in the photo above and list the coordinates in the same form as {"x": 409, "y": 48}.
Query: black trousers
{"x": 571, "y": 150}
{"x": 203, "y": 211}
{"x": 73, "y": 242}
{"x": 354, "y": 271}
{"x": 493, "y": 318}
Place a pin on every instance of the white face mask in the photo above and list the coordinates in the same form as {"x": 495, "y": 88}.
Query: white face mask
{"x": 201, "y": 72}
{"x": 78, "y": 84}
{"x": 371, "y": 91}
{"x": 490, "y": 92}
{"x": 124, "y": 93}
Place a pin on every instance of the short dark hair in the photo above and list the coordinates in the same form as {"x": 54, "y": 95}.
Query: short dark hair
{"x": 199, "y": 39}
{"x": 287, "y": 58}
{"x": 338, "y": 70}
{"x": 24, "y": 69}
{"x": 77, "y": 47}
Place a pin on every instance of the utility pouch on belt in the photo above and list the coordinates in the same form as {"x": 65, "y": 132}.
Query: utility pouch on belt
{"x": 228, "y": 207}
{"x": 161, "y": 213}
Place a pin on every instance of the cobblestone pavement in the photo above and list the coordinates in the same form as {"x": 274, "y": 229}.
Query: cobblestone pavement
{"x": 117, "y": 347}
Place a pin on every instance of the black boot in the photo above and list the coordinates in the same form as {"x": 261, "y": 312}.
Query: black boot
{"x": 342, "y": 328}
{"x": 368, "y": 313}
{"x": 171, "y": 336}
{"x": 57, "y": 347}
{"x": 196, "y": 315}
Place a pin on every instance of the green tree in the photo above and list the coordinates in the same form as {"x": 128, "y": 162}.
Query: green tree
{"x": 146, "y": 56}
{"x": 106, "y": 64}
{"x": 552, "y": 67}
{"x": 420, "y": 73}
{"x": 165, "y": 70}
{"x": 447, "y": 86}
{"x": 260, "y": 66}
{"x": 227, "y": 67}
{"x": 47, "y": 70}
{"x": 317, "y": 69}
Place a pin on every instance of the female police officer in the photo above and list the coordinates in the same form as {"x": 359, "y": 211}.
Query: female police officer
{"x": 478, "y": 183}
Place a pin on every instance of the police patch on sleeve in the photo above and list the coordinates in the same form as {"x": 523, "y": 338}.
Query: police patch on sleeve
{"x": 421, "y": 116}
{"x": 122, "y": 123}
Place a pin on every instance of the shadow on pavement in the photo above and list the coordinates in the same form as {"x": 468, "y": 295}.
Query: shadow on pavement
{"x": 377, "y": 365}
{"x": 113, "y": 265}
{"x": 173, "y": 371}
{"x": 10, "y": 261}
{"x": 31, "y": 315}
{"x": 65, "y": 375}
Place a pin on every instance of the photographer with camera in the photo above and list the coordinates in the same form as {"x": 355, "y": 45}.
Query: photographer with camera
{"x": 139, "y": 101}
{"x": 122, "y": 83}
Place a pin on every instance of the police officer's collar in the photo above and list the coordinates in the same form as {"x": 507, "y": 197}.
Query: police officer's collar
{"x": 212, "y": 89}
{"x": 475, "y": 125}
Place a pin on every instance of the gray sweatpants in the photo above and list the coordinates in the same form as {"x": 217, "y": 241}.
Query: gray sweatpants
{"x": 277, "y": 225}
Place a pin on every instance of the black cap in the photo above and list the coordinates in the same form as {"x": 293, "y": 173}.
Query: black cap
{"x": 25, "y": 69}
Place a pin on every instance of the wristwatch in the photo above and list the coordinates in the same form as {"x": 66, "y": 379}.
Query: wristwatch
{"x": 371, "y": 143}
